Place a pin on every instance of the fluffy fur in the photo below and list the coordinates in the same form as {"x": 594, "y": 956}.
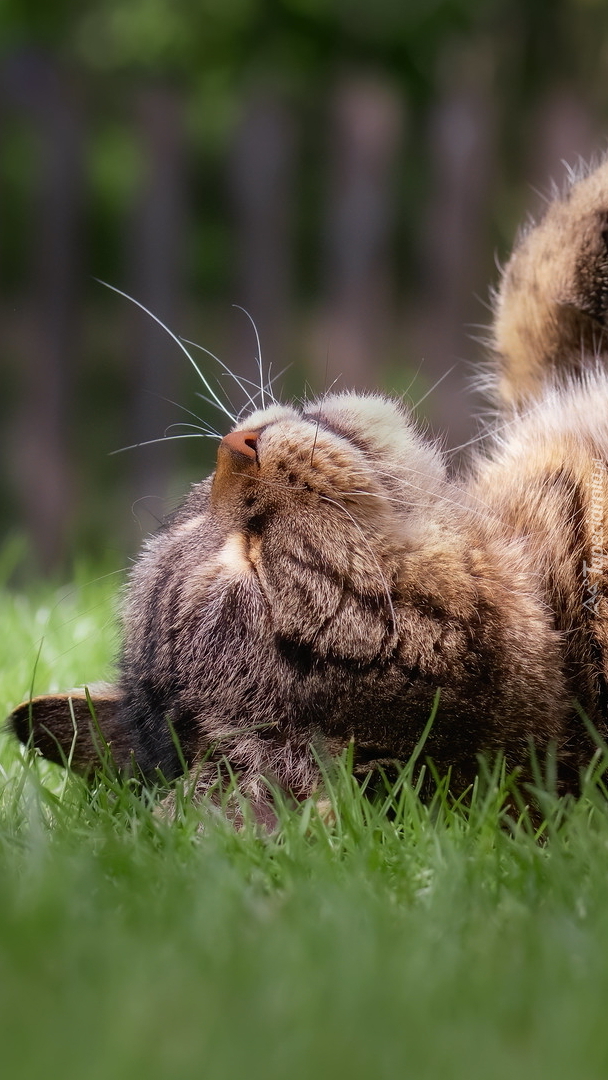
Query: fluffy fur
{"x": 330, "y": 577}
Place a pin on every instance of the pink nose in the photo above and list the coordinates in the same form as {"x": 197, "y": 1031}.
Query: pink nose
{"x": 242, "y": 442}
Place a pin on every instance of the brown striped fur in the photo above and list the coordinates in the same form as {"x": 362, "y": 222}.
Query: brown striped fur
{"x": 331, "y": 577}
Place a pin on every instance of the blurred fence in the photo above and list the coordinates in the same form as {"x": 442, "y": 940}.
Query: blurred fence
{"x": 358, "y": 230}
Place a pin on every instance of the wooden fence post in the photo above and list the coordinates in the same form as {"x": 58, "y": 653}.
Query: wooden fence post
{"x": 43, "y": 428}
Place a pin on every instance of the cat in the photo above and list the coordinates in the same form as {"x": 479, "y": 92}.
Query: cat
{"x": 332, "y": 584}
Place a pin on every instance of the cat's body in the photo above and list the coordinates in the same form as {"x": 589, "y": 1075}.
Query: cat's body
{"x": 331, "y": 578}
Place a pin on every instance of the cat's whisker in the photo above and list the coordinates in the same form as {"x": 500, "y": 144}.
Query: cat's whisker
{"x": 412, "y": 380}
{"x": 203, "y": 397}
{"x": 323, "y": 398}
{"x": 383, "y": 497}
{"x": 216, "y": 400}
{"x": 164, "y": 438}
{"x": 238, "y": 379}
{"x": 259, "y": 356}
{"x": 195, "y": 427}
{"x": 469, "y": 494}
{"x": 475, "y": 439}
{"x": 493, "y": 432}
{"x": 269, "y": 385}
{"x": 270, "y": 382}
{"x": 461, "y": 504}
{"x": 272, "y": 484}
{"x": 170, "y": 401}
{"x": 483, "y": 516}
{"x": 320, "y": 412}
{"x": 314, "y": 443}
{"x": 135, "y": 512}
{"x": 326, "y": 391}
{"x": 250, "y": 382}
{"x": 434, "y": 386}
{"x": 70, "y": 593}
{"x": 251, "y": 402}
{"x": 309, "y": 403}
{"x": 241, "y": 381}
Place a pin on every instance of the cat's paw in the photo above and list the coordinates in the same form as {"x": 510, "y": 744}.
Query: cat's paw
{"x": 552, "y": 305}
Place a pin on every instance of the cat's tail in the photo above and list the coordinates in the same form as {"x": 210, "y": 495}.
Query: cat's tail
{"x": 551, "y": 312}
{"x": 78, "y": 729}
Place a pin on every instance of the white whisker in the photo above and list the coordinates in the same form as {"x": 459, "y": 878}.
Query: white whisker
{"x": 239, "y": 381}
{"x": 412, "y": 380}
{"x": 434, "y": 386}
{"x": 194, "y": 427}
{"x": 216, "y": 400}
{"x": 164, "y": 438}
{"x": 259, "y": 356}
{"x": 494, "y": 431}
{"x": 466, "y": 493}
{"x": 269, "y": 385}
{"x": 161, "y": 397}
{"x": 209, "y": 401}
{"x": 461, "y": 505}
{"x": 323, "y": 400}
{"x": 270, "y": 382}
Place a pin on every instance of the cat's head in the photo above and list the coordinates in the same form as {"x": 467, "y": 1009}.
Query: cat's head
{"x": 320, "y": 505}
{"x": 306, "y": 519}
{"x": 272, "y": 589}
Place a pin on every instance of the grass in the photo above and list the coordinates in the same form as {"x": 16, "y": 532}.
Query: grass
{"x": 433, "y": 942}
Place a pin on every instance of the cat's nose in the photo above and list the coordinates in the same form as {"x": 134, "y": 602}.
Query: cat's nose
{"x": 242, "y": 442}
{"x": 237, "y": 459}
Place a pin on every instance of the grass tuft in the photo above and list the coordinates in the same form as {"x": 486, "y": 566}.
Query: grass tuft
{"x": 365, "y": 937}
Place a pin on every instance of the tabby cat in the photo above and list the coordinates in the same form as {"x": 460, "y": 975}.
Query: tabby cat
{"x": 330, "y": 577}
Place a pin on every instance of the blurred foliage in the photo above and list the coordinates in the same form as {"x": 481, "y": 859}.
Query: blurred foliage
{"x": 299, "y": 40}
{"x": 212, "y": 53}
{"x": 215, "y": 51}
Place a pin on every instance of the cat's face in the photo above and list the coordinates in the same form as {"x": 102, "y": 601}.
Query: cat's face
{"x": 309, "y": 512}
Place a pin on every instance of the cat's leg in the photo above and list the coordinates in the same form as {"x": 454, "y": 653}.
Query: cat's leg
{"x": 551, "y": 314}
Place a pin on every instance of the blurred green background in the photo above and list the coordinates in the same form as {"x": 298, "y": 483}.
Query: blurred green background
{"x": 347, "y": 171}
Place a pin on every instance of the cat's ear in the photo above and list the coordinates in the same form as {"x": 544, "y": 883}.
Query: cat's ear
{"x": 81, "y": 729}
